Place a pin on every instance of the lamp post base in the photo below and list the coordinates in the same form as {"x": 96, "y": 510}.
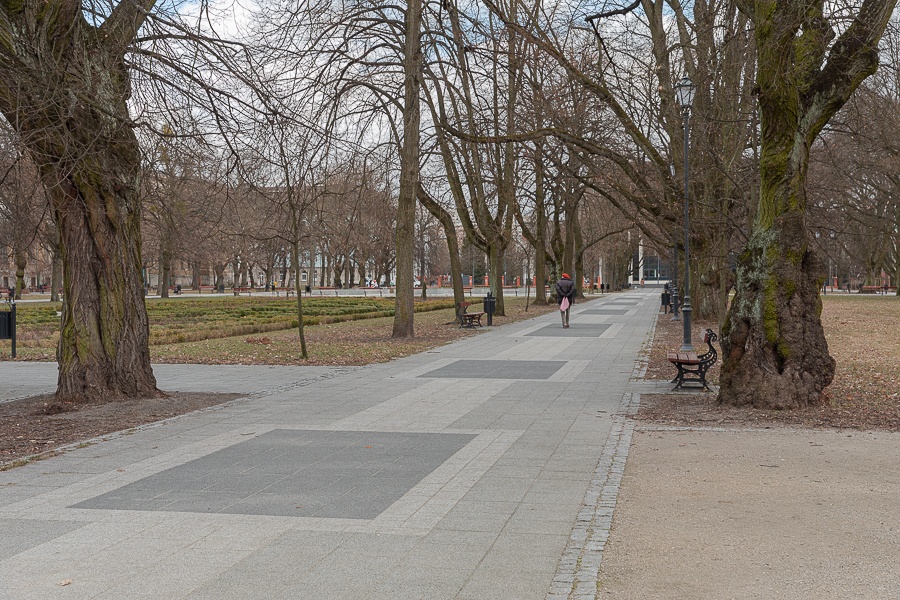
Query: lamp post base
{"x": 686, "y": 310}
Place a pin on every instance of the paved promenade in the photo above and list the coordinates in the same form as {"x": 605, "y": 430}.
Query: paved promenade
{"x": 485, "y": 469}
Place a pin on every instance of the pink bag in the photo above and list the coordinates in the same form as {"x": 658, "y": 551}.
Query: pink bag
{"x": 564, "y": 305}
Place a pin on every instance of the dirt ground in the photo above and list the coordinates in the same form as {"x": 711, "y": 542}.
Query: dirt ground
{"x": 792, "y": 514}
{"x": 39, "y": 425}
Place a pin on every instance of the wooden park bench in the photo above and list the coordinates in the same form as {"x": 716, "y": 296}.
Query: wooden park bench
{"x": 693, "y": 368}
{"x": 465, "y": 318}
{"x": 239, "y": 290}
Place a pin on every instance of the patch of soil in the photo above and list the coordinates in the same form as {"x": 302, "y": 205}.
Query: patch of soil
{"x": 39, "y": 425}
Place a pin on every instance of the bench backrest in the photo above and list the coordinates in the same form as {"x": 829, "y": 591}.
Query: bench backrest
{"x": 709, "y": 337}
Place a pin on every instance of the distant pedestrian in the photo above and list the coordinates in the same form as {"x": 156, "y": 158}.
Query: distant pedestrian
{"x": 665, "y": 299}
{"x": 565, "y": 297}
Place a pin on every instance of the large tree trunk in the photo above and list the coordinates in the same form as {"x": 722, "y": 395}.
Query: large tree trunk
{"x": 775, "y": 353}
{"x": 404, "y": 307}
{"x": 64, "y": 85}
{"x": 103, "y": 349}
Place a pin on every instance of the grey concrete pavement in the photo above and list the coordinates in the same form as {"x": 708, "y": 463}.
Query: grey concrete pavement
{"x": 484, "y": 469}
{"x": 24, "y": 379}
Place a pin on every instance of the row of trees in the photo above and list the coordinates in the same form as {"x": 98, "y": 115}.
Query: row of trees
{"x": 322, "y": 124}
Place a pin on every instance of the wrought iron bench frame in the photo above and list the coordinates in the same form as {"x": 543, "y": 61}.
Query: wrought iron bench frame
{"x": 467, "y": 319}
{"x": 693, "y": 368}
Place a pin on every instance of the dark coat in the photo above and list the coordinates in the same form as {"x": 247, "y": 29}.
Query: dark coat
{"x": 565, "y": 288}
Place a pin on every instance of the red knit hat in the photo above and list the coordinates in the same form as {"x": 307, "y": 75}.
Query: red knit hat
{"x": 566, "y": 276}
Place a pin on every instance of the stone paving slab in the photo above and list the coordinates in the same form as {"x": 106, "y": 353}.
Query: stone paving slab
{"x": 492, "y": 503}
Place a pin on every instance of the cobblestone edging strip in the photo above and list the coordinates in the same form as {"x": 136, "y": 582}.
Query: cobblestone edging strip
{"x": 578, "y": 574}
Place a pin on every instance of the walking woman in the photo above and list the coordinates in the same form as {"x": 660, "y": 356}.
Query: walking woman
{"x": 565, "y": 297}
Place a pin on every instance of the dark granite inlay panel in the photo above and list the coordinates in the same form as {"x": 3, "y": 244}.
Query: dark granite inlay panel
{"x": 293, "y": 473}
{"x": 575, "y": 330}
{"x": 498, "y": 369}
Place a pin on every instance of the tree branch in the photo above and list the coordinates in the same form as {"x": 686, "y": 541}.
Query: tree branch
{"x": 120, "y": 29}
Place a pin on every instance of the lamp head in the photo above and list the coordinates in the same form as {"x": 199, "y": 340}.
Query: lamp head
{"x": 684, "y": 93}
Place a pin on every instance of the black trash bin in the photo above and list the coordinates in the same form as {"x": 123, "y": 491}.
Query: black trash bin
{"x": 490, "y": 306}
{"x": 8, "y": 326}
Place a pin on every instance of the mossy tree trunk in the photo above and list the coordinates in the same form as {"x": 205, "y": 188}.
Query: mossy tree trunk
{"x": 64, "y": 85}
{"x": 775, "y": 353}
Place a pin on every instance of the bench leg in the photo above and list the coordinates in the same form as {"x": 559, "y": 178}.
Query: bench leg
{"x": 679, "y": 378}
{"x": 683, "y": 378}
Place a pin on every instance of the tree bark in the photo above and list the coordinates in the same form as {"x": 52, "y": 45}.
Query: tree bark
{"x": 21, "y": 260}
{"x": 404, "y": 307}
{"x": 295, "y": 259}
{"x": 55, "y": 277}
{"x": 219, "y": 270}
{"x": 195, "y": 275}
{"x": 72, "y": 115}
{"x": 165, "y": 260}
{"x": 540, "y": 229}
{"x": 774, "y": 347}
{"x": 446, "y": 221}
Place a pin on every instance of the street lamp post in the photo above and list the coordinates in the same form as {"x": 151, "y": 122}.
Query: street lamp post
{"x": 684, "y": 93}
{"x": 676, "y": 316}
